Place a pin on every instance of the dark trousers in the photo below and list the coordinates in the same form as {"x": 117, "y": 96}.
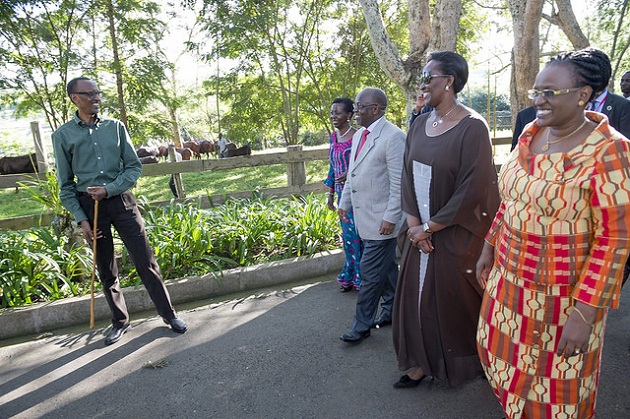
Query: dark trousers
{"x": 122, "y": 212}
{"x": 379, "y": 274}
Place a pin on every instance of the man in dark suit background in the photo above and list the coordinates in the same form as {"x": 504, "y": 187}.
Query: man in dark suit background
{"x": 616, "y": 108}
{"x": 523, "y": 118}
{"x": 624, "y": 85}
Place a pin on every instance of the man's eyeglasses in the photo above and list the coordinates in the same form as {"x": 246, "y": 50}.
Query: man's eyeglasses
{"x": 549, "y": 93}
{"x": 91, "y": 95}
{"x": 426, "y": 77}
{"x": 359, "y": 106}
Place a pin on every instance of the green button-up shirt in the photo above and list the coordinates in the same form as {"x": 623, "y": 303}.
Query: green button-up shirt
{"x": 93, "y": 155}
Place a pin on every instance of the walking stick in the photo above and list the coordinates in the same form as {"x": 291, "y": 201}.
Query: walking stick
{"x": 94, "y": 230}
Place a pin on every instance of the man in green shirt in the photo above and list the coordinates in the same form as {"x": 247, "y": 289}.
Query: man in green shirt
{"x": 96, "y": 161}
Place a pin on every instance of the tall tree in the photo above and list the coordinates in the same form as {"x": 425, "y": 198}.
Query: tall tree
{"x": 40, "y": 44}
{"x": 272, "y": 39}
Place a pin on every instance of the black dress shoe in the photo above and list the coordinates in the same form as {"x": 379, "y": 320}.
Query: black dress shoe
{"x": 381, "y": 322}
{"x": 116, "y": 333}
{"x": 355, "y": 337}
{"x": 177, "y": 324}
{"x": 406, "y": 382}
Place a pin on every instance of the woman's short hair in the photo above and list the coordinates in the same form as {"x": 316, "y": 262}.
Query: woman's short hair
{"x": 348, "y": 104}
{"x": 591, "y": 67}
{"x": 452, "y": 64}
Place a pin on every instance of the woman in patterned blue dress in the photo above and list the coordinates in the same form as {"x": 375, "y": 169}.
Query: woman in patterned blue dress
{"x": 340, "y": 146}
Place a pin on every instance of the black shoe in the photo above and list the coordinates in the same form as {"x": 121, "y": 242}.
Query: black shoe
{"x": 355, "y": 337}
{"x": 346, "y": 289}
{"x": 116, "y": 333}
{"x": 381, "y": 322}
{"x": 406, "y": 382}
{"x": 177, "y": 324}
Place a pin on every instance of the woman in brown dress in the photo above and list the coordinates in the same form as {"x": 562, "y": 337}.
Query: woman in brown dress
{"x": 449, "y": 191}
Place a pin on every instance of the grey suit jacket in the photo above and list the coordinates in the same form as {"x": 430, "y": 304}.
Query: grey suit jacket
{"x": 372, "y": 186}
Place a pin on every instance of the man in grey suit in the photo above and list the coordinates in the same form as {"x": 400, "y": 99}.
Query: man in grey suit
{"x": 372, "y": 189}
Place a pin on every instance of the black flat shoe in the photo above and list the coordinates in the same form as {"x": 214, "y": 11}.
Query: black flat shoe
{"x": 406, "y": 382}
{"x": 346, "y": 289}
{"x": 355, "y": 337}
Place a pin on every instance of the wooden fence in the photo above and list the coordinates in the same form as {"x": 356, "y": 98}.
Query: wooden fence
{"x": 295, "y": 158}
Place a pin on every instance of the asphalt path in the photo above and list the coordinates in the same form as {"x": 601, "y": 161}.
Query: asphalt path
{"x": 269, "y": 354}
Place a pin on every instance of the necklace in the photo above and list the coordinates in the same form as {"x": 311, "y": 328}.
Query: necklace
{"x": 439, "y": 119}
{"x": 344, "y": 134}
{"x": 546, "y": 146}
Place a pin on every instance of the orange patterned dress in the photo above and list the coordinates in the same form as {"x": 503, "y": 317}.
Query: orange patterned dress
{"x": 560, "y": 236}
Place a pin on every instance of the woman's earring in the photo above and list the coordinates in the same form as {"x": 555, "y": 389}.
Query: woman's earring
{"x": 581, "y": 103}
{"x": 447, "y": 88}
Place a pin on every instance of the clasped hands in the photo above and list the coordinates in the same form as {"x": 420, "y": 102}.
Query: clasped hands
{"x": 419, "y": 239}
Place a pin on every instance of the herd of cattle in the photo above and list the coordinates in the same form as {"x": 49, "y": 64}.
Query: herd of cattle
{"x": 147, "y": 155}
{"x": 191, "y": 149}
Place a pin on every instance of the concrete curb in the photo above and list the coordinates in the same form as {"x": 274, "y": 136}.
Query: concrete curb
{"x": 44, "y": 317}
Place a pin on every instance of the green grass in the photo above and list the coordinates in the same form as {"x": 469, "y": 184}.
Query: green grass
{"x": 155, "y": 188}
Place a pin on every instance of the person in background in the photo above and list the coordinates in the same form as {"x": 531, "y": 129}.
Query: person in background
{"x": 171, "y": 182}
{"x": 419, "y": 109}
{"x": 339, "y": 155}
{"x": 372, "y": 190}
{"x": 450, "y": 195}
{"x": 523, "y": 118}
{"x": 615, "y": 107}
{"x": 624, "y": 84}
{"x": 96, "y": 162}
{"x": 222, "y": 146}
{"x": 553, "y": 260}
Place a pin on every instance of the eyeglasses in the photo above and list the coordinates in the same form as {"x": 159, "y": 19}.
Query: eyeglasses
{"x": 549, "y": 93}
{"x": 426, "y": 77}
{"x": 359, "y": 106}
{"x": 91, "y": 95}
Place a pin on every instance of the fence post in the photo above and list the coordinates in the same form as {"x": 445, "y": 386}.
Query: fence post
{"x": 296, "y": 172}
{"x": 40, "y": 150}
{"x": 177, "y": 177}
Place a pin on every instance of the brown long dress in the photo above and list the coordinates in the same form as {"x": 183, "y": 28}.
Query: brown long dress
{"x": 451, "y": 180}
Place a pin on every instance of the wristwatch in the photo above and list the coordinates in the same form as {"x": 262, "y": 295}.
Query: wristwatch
{"x": 426, "y": 228}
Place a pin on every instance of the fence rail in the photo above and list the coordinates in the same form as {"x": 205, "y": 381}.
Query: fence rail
{"x": 294, "y": 158}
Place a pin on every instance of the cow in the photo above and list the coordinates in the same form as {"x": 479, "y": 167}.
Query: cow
{"x": 148, "y": 159}
{"x": 147, "y": 151}
{"x": 185, "y": 152}
{"x": 206, "y": 147}
{"x": 163, "y": 151}
{"x": 19, "y": 164}
{"x": 232, "y": 151}
{"x": 194, "y": 147}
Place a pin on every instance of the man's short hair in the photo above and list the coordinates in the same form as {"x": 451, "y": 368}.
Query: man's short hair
{"x": 72, "y": 84}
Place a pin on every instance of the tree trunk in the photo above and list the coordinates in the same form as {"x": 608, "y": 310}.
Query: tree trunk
{"x": 526, "y": 15}
{"x": 117, "y": 66}
{"x": 443, "y": 36}
{"x": 565, "y": 19}
{"x": 446, "y": 25}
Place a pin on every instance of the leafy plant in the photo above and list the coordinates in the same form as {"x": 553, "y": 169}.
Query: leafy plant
{"x": 41, "y": 265}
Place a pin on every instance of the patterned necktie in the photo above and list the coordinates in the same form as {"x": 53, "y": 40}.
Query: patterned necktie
{"x": 363, "y": 137}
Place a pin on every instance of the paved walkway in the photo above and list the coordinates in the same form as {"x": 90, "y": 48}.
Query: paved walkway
{"x": 275, "y": 354}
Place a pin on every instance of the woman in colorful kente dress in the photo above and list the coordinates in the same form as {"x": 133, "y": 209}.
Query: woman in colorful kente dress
{"x": 340, "y": 146}
{"x": 553, "y": 260}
